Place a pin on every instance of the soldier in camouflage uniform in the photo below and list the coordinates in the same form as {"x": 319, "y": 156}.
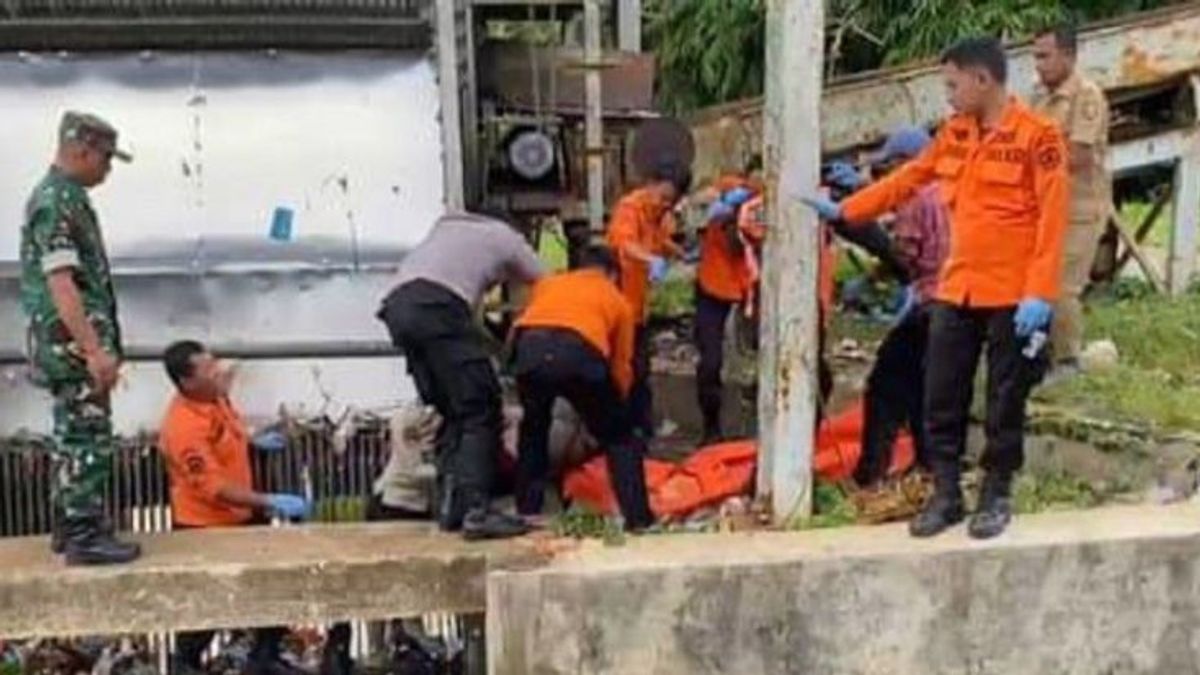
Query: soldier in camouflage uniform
{"x": 73, "y": 336}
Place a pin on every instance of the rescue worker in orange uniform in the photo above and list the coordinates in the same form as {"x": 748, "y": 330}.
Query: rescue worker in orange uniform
{"x": 1002, "y": 172}
{"x": 575, "y": 340}
{"x": 723, "y": 279}
{"x": 207, "y": 453}
{"x": 640, "y": 234}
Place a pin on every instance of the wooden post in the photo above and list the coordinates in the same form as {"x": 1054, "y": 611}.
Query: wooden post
{"x": 629, "y": 25}
{"x": 789, "y": 353}
{"x": 594, "y": 119}
{"x": 450, "y": 93}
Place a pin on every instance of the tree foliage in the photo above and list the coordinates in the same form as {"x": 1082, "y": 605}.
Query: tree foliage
{"x": 708, "y": 51}
{"x": 711, "y": 51}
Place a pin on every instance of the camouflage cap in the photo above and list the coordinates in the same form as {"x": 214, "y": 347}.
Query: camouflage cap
{"x": 92, "y": 131}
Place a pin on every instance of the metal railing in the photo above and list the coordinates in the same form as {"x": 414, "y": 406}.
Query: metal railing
{"x": 338, "y": 480}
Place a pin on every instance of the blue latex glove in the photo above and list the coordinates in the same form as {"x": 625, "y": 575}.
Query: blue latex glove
{"x": 719, "y": 211}
{"x": 291, "y": 507}
{"x": 904, "y": 302}
{"x": 270, "y": 441}
{"x": 658, "y": 269}
{"x": 843, "y": 175}
{"x": 825, "y": 207}
{"x": 1033, "y": 314}
{"x": 854, "y": 291}
{"x": 737, "y": 196}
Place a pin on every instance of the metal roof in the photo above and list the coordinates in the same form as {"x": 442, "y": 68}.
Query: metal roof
{"x": 44, "y": 25}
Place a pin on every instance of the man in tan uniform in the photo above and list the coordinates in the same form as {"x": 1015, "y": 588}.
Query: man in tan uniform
{"x": 1079, "y": 107}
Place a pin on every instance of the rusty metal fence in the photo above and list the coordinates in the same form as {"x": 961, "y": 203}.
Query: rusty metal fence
{"x": 338, "y": 479}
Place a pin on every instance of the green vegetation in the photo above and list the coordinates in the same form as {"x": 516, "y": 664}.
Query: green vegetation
{"x": 1053, "y": 491}
{"x": 1157, "y": 382}
{"x": 341, "y": 510}
{"x": 1159, "y": 236}
{"x": 713, "y": 51}
{"x": 580, "y": 522}
{"x": 674, "y": 298}
{"x": 832, "y": 507}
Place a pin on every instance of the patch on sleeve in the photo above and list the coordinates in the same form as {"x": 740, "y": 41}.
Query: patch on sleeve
{"x": 1049, "y": 153}
{"x": 194, "y": 463}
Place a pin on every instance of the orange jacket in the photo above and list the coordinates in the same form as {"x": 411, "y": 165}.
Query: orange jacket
{"x": 723, "y": 272}
{"x": 1007, "y": 192}
{"x": 206, "y": 448}
{"x": 643, "y": 219}
{"x": 588, "y": 304}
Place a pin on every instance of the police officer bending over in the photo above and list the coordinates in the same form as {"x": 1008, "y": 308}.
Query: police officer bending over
{"x": 429, "y": 315}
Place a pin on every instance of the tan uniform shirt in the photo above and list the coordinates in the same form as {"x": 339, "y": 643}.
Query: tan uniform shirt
{"x": 1081, "y": 111}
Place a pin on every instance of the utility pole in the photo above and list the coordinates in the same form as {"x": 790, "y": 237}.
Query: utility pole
{"x": 593, "y": 113}
{"x": 450, "y": 94}
{"x": 789, "y": 353}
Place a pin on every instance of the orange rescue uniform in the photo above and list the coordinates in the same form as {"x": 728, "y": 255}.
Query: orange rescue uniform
{"x": 1007, "y": 191}
{"x": 644, "y": 219}
{"x": 723, "y": 272}
{"x": 586, "y": 303}
{"x": 206, "y": 448}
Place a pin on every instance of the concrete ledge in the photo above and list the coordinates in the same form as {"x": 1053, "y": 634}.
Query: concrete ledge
{"x": 250, "y": 577}
{"x": 1106, "y": 591}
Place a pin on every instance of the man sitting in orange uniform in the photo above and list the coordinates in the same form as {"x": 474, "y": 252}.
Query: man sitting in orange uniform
{"x": 208, "y": 464}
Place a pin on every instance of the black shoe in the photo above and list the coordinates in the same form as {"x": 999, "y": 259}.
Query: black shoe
{"x": 995, "y": 509}
{"x": 58, "y": 538}
{"x": 941, "y": 513}
{"x": 480, "y": 523}
{"x": 86, "y": 543}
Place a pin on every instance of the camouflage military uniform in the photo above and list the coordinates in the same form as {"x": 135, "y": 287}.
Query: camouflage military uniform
{"x": 61, "y": 232}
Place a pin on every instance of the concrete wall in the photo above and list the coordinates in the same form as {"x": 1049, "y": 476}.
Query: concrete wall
{"x": 1103, "y": 592}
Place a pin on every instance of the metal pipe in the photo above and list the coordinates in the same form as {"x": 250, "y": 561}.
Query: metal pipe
{"x": 594, "y": 115}
{"x": 267, "y": 351}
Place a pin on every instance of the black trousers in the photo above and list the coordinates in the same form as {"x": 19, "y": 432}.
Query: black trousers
{"x": 958, "y": 336}
{"x": 641, "y": 399}
{"x": 895, "y": 398}
{"x": 448, "y": 362}
{"x": 711, "y": 316}
{"x": 558, "y": 363}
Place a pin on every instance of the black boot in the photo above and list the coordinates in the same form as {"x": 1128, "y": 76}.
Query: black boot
{"x": 484, "y": 523}
{"x": 995, "y": 508}
{"x": 943, "y": 511}
{"x": 85, "y": 543}
{"x": 58, "y": 538}
{"x": 448, "y": 503}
